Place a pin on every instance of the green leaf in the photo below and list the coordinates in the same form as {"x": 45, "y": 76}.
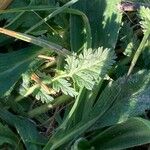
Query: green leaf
{"x": 25, "y": 88}
{"x": 91, "y": 65}
{"x": 133, "y": 98}
{"x": 8, "y": 137}
{"x": 86, "y": 68}
{"x": 37, "y": 41}
{"x": 114, "y": 100}
{"x": 103, "y": 17}
{"x": 64, "y": 86}
{"x": 145, "y": 16}
{"x": 12, "y": 65}
{"x": 53, "y": 14}
{"x": 67, "y": 132}
{"x": 25, "y": 128}
{"x": 134, "y": 132}
{"x": 43, "y": 96}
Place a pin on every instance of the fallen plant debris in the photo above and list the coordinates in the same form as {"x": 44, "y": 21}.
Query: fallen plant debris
{"x": 132, "y": 6}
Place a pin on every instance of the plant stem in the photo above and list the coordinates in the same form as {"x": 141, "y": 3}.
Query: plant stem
{"x": 48, "y": 65}
{"x": 44, "y": 108}
{"x": 37, "y": 41}
{"x": 138, "y": 52}
{"x": 60, "y": 77}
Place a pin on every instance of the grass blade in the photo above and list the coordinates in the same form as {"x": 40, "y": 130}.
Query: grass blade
{"x": 37, "y": 41}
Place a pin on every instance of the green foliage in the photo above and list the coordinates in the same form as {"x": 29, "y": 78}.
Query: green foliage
{"x": 125, "y": 99}
{"x": 129, "y": 40}
{"x": 144, "y": 14}
{"x": 102, "y": 20}
{"x": 84, "y": 70}
{"x": 25, "y": 128}
{"x": 76, "y": 89}
{"x": 131, "y": 133}
{"x": 89, "y": 66}
{"x": 38, "y": 92}
{"x": 145, "y": 55}
{"x": 13, "y": 65}
{"x": 64, "y": 86}
{"x": 7, "y": 136}
{"x": 132, "y": 99}
{"x": 118, "y": 137}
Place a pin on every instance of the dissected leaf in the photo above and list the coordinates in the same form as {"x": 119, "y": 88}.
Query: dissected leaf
{"x": 86, "y": 68}
{"x": 43, "y": 96}
{"x": 145, "y": 16}
{"x": 64, "y": 86}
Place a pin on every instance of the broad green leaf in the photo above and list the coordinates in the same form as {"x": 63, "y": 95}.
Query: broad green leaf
{"x": 12, "y": 65}
{"x": 103, "y": 17}
{"x": 134, "y": 132}
{"x": 67, "y": 132}
{"x": 26, "y": 129}
{"x": 71, "y": 129}
{"x": 133, "y": 99}
{"x": 8, "y": 137}
{"x": 114, "y": 95}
